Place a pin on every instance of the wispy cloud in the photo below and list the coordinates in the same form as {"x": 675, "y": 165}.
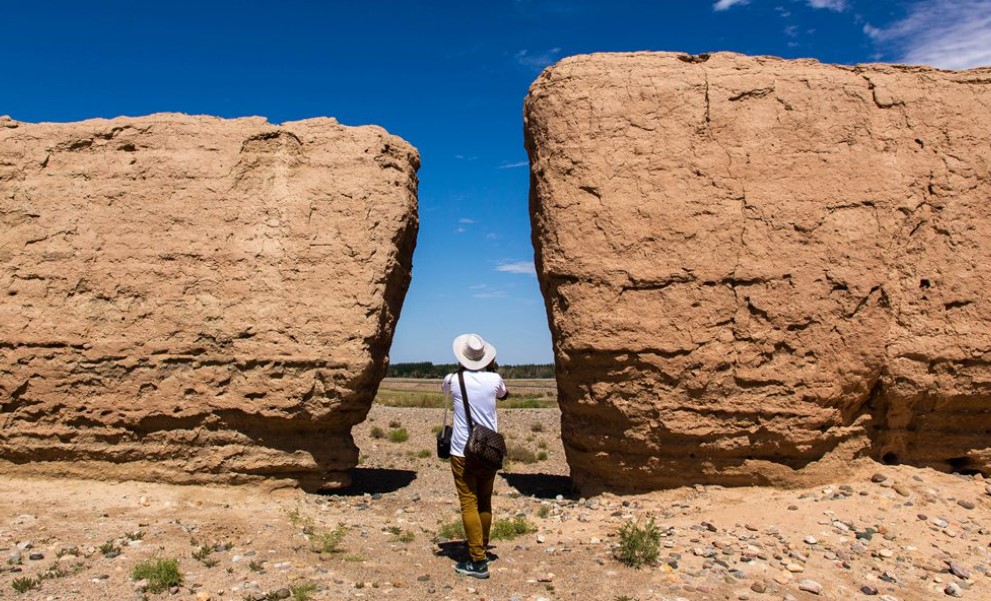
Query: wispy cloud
{"x": 538, "y": 60}
{"x": 462, "y": 157}
{"x": 522, "y": 267}
{"x": 466, "y": 220}
{"x": 949, "y": 34}
{"x": 514, "y": 165}
{"x": 837, "y": 5}
{"x": 491, "y": 294}
{"x": 728, "y": 4}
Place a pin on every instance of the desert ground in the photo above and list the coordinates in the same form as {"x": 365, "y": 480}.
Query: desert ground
{"x": 883, "y": 532}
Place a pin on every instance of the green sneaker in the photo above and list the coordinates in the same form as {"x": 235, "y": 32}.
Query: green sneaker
{"x": 475, "y": 569}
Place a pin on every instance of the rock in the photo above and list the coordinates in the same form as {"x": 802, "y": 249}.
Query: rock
{"x": 953, "y": 590}
{"x": 987, "y": 490}
{"x": 870, "y": 591}
{"x": 795, "y": 568}
{"x": 203, "y": 596}
{"x": 36, "y": 556}
{"x": 284, "y": 593}
{"x": 759, "y": 268}
{"x": 902, "y": 490}
{"x": 226, "y": 289}
{"x": 959, "y": 570}
{"x": 878, "y": 478}
{"x": 810, "y": 586}
{"x": 810, "y": 540}
{"x": 758, "y": 586}
{"x": 966, "y": 504}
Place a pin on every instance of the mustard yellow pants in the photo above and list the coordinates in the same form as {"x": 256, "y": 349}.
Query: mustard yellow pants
{"x": 475, "y": 493}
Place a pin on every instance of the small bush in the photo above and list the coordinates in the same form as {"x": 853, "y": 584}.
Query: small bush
{"x": 23, "y": 585}
{"x": 542, "y": 456}
{"x": 161, "y": 574}
{"x": 256, "y": 566}
{"x": 110, "y": 549}
{"x": 400, "y": 435}
{"x": 542, "y": 444}
{"x": 537, "y": 427}
{"x": 423, "y": 453}
{"x": 377, "y": 432}
{"x": 302, "y": 591}
{"x": 452, "y": 530}
{"x": 543, "y": 511}
{"x": 327, "y": 542}
{"x": 638, "y": 546}
{"x": 303, "y": 522}
{"x": 504, "y": 529}
{"x": 136, "y": 535}
{"x": 436, "y": 429}
{"x": 520, "y": 454}
{"x": 395, "y": 423}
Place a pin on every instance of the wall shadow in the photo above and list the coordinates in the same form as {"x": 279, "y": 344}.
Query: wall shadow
{"x": 541, "y": 486}
{"x": 373, "y": 480}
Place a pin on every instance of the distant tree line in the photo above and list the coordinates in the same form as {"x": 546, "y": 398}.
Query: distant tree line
{"x": 428, "y": 370}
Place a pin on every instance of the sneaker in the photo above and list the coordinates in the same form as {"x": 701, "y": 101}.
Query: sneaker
{"x": 475, "y": 569}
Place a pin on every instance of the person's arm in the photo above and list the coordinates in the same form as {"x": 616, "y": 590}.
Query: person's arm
{"x": 501, "y": 392}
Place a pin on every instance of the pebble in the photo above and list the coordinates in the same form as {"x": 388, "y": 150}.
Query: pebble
{"x": 902, "y": 490}
{"x": 758, "y": 587}
{"x": 953, "y": 590}
{"x": 202, "y": 596}
{"x": 283, "y": 593}
{"x": 966, "y": 504}
{"x": 795, "y": 568}
{"x": 810, "y": 586}
{"x": 810, "y": 540}
{"x": 870, "y": 591}
{"x": 886, "y": 553}
{"x": 36, "y": 556}
{"x": 939, "y": 523}
{"x": 878, "y": 478}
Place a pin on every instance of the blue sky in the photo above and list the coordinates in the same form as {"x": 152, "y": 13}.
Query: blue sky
{"x": 448, "y": 76}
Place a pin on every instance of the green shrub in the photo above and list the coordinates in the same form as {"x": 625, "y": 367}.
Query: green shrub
{"x": 423, "y": 453}
{"x": 504, "y": 529}
{"x": 377, "y": 432}
{"x": 543, "y": 511}
{"x": 256, "y": 566}
{"x": 452, "y": 530}
{"x": 400, "y": 435}
{"x": 161, "y": 574}
{"x": 23, "y": 585}
{"x": 327, "y": 542}
{"x": 302, "y": 591}
{"x": 110, "y": 549}
{"x": 520, "y": 454}
{"x": 639, "y": 546}
{"x": 542, "y": 456}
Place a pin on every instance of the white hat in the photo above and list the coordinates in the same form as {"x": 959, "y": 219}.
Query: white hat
{"x": 473, "y": 352}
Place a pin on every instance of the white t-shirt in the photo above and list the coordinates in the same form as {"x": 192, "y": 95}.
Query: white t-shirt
{"x": 483, "y": 388}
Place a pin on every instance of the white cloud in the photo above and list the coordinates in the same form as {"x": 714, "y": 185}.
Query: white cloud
{"x": 837, "y": 5}
{"x": 466, "y": 220}
{"x": 522, "y": 267}
{"x": 727, "y": 4}
{"x": 949, "y": 34}
{"x": 514, "y": 165}
{"x": 537, "y": 61}
{"x": 492, "y": 294}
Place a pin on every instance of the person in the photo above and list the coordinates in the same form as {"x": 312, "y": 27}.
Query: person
{"x": 474, "y": 484}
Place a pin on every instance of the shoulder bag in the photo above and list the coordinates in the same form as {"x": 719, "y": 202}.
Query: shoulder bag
{"x": 485, "y": 448}
{"x": 444, "y": 438}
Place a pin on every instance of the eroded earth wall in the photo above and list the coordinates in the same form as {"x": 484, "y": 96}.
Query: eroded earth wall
{"x": 193, "y": 299}
{"x": 758, "y": 269}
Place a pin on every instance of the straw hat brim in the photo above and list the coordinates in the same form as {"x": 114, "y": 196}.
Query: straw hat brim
{"x": 458, "y": 347}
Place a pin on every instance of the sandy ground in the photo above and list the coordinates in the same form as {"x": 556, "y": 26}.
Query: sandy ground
{"x": 897, "y": 538}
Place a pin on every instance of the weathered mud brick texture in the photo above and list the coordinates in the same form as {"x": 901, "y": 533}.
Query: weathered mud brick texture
{"x": 756, "y": 270}
{"x": 192, "y": 299}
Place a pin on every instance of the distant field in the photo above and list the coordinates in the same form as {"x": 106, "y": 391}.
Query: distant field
{"x": 413, "y": 392}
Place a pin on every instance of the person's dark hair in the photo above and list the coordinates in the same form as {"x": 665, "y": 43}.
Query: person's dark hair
{"x": 493, "y": 367}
